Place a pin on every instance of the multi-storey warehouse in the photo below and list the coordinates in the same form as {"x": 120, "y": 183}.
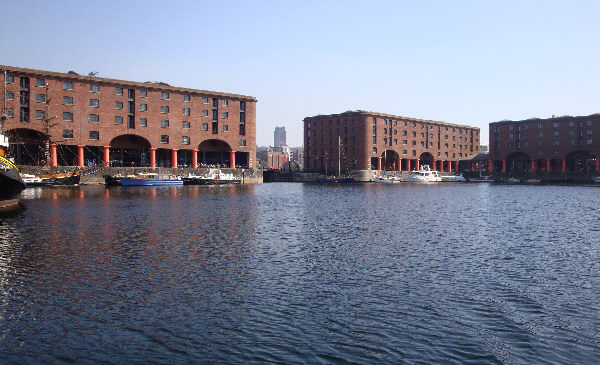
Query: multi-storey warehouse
{"x": 68, "y": 119}
{"x": 375, "y": 141}
{"x": 555, "y": 144}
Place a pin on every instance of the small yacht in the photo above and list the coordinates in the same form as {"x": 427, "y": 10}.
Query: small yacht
{"x": 454, "y": 178}
{"x": 388, "y": 179}
{"x": 425, "y": 174}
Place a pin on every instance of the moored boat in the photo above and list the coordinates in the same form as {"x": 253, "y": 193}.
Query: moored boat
{"x": 151, "y": 179}
{"x": 388, "y": 179}
{"x": 213, "y": 177}
{"x": 453, "y": 178}
{"x": 425, "y": 174}
{"x": 11, "y": 184}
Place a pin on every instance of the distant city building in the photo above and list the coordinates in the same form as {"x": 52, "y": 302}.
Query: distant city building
{"x": 563, "y": 143}
{"x": 297, "y": 155}
{"x": 484, "y": 148}
{"x": 89, "y": 118}
{"x": 374, "y": 141}
{"x": 271, "y": 160}
{"x": 279, "y": 137}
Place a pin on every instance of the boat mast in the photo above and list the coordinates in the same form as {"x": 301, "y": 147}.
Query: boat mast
{"x": 339, "y": 155}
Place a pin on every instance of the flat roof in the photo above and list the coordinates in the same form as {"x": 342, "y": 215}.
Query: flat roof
{"x": 383, "y": 115}
{"x": 144, "y": 85}
{"x": 552, "y": 119}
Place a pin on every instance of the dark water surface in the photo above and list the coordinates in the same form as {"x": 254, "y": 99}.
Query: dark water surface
{"x": 300, "y": 273}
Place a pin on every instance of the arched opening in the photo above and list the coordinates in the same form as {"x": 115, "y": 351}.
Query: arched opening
{"x": 580, "y": 161}
{"x": 28, "y": 147}
{"x": 389, "y": 160}
{"x": 426, "y": 159}
{"x": 518, "y": 162}
{"x": 214, "y": 153}
{"x": 129, "y": 150}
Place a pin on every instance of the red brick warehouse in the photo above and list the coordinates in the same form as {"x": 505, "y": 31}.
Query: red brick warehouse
{"x": 559, "y": 144}
{"x": 87, "y": 118}
{"x": 374, "y": 141}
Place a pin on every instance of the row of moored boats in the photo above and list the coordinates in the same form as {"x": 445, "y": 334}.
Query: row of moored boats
{"x": 425, "y": 174}
{"x": 212, "y": 177}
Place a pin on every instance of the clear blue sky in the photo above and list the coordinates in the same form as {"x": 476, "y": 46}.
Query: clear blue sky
{"x": 469, "y": 62}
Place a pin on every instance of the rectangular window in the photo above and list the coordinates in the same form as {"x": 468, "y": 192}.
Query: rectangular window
{"x": 40, "y": 98}
{"x": 555, "y": 125}
{"x": 143, "y": 93}
{"x": 164, "y": 123}
{"x": 215, "y": 102}
{"x": 185, "y": 140}
{"x": 40, "y": 82}
{"x": 186, "y": 111}
{"x": 94, "y": 88}
{"x": 67, "y": 85}
{"x": 214, "y": 114}
{"x": 68, "y": 100}
{"x": 130, "y": 93}
{"x": 24, "y": 115}
{"x": 242, "y": 105}
{"x": 224, "y": 115}
{"x": 242, "y": 143}
{"x": 204, "y": 126}
{"x": 9, "y": 95}
{"x": 118, "y": 105}
{"x": 143, "y": 122}
{"x": 94, "y": 135}
{"x": 24, "y": 81}
{"x": 118, "y": 119}
{"x": 94, "y": 118}
{"x": 205, "y": 113}
{"x": 164, "y": 109}
{"x": 204, "y": 100}
{"x": 186, "y": 97}
{"x": 555, "y": 133}
{"x": 130, "y": 122}
{"x": 68, "y": 133}
{"x": 10, "y": 112}
{"x": 589, "y": 131}
{"x": 243, "y": 131}
{"x": 242, "y": 117}
{"x": 185, "y": 125}
{"x": 40, "y": 114}
{"x": 68, "y": 116}
{"x": 224, "y": 128}
{"x": 164, "y": 139}
{"x": 164, "y": 95}
{"x": 94, "y": 103}
{"x": 143, "y": 107}
{"x": 118, "y": 91}
{"x": 225, "y": 102}
{"x": 9, "y": 79}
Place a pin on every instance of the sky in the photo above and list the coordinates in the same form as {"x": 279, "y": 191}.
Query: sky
{"x": 465, "y": 62}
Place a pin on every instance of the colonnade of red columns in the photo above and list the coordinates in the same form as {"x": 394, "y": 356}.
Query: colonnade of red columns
{"x": 106, "y": 156}
{"x": 443, "y": 165}
{"x": 563, "y": 167}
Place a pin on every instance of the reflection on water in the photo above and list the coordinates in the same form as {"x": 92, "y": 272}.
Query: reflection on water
{"x": 302, "y": 273}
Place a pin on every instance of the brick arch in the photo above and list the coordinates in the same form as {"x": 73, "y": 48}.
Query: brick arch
{"x": 389, "y": 160}
{"x": 130, "y": 141}
{"x": 214, "y": 145}
{"x": 28, "y": 146}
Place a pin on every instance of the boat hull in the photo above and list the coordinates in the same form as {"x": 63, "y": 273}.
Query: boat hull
{"x": 149, "y": 182}
{"x": 336, "y": 180}
{"x": 11, "y": 187}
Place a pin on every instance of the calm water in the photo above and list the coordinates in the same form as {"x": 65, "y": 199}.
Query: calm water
{"x": 300, "y": 273}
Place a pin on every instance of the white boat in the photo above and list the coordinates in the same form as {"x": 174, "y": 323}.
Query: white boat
{"x": 453, "y": 178}
{"x": 596, "y": 179}
{"x": 388, "y": 179}
{"x": 32, "y": 180}
{"x": 425, "y": 174}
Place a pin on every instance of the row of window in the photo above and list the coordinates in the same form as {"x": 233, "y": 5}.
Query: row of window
{"x": 555, "y": 133}
{"x": 439, "y": 154}
{"x": 541, "y": 143}
{"x": 541, "y": 125}
{"x": 389, "y": 123}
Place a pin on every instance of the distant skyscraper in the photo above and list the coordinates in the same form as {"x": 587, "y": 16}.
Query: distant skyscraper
{"x": 279, "y": 137}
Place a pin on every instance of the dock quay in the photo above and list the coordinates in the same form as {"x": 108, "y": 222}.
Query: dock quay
{"x": 94, "y": 175}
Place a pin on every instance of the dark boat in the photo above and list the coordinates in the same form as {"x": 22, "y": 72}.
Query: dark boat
{"x": 336, "y": 179}
{"x": 112, "y": 180}
{"x": 11, "y": 184}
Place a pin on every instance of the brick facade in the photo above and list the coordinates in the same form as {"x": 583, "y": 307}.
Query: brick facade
{"x": 97, "y": 112}
{"x": 563, "y": 143}
{"x": 374, "y": 141}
